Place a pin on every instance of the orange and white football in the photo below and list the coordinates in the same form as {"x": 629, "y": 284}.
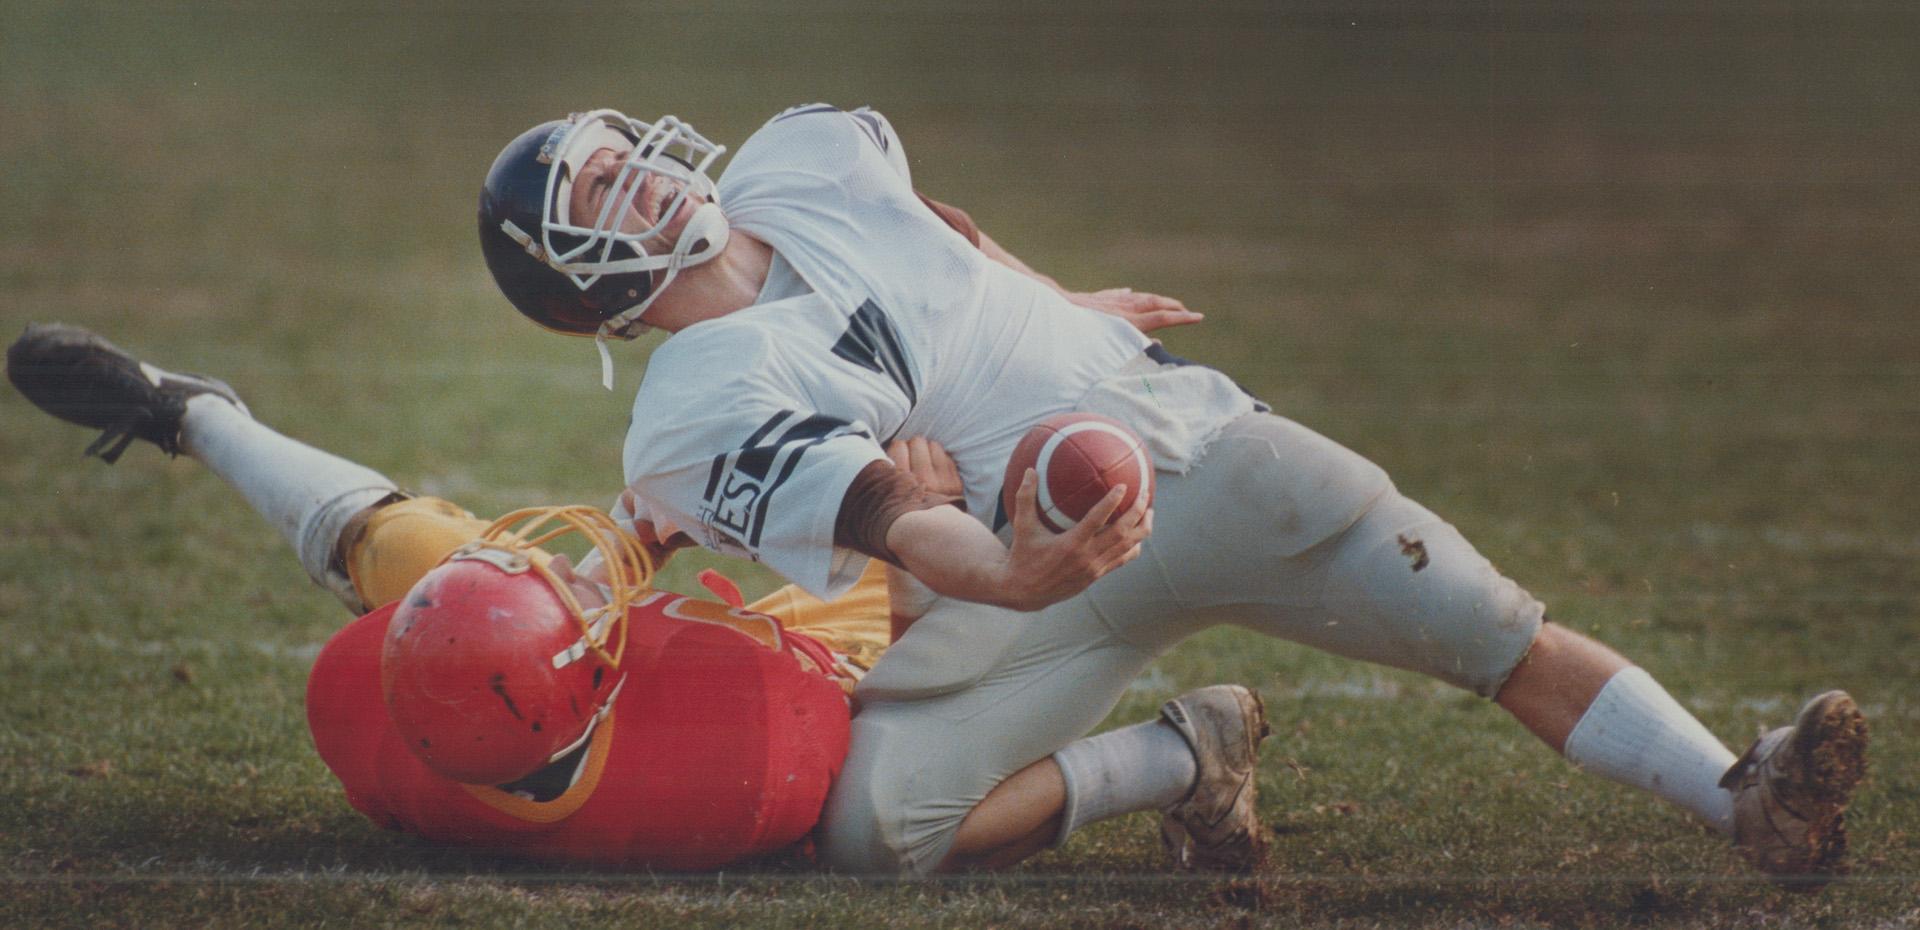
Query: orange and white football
{"x": 1079, "y": 457}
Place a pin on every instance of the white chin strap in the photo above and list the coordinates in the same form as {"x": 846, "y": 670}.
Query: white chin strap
{"x": 703, "y": 239}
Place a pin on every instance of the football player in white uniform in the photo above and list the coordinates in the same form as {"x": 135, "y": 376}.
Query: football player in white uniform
{"x": 819, "y": 308}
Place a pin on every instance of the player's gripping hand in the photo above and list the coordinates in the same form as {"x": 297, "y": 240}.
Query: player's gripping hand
{"x": 928, "y": 462}
{"x": 1147, "y": 312}
{"x": 955, "y": 555}
{"x": 1045, "y": 567}
{"x": 660, "y": 546}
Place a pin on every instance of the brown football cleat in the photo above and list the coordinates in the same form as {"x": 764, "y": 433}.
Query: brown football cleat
{"x": 1217, "y": 826}
{"x": 1791, "y": 791}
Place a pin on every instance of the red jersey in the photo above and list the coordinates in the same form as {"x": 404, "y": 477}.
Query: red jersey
{"x": 721, "y": 746}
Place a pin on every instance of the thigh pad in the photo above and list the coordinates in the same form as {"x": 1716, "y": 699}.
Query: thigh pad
{"x": 402, "y": 541}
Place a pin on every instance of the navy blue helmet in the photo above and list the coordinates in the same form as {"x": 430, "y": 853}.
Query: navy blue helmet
{"x": 595, "y": 276}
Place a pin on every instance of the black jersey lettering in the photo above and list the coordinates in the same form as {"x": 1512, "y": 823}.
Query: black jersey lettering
{"x": 872, "y": 343}
{"x": 806, "y": 108}
{"x": 741, "y": 483}
{"x": 870, "y": 121}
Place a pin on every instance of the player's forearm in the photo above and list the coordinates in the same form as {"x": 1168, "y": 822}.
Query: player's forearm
{"x": 955, "y": 556}
{"x": 995, "y": 251}
{"x": 1146, "y": 312}
{"x": 965, "y": 226}
{"x": 908, "y": 599}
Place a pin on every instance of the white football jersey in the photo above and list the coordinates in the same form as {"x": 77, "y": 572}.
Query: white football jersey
{"x": 878, "y": 322}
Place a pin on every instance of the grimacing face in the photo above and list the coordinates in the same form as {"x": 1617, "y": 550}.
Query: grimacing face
{"x": 598, "y": 179}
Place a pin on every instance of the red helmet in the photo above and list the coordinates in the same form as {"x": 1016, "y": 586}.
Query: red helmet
{"x": 491, "y": 668}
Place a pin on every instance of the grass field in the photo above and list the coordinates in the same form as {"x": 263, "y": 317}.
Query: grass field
{"x": 1627, "y": 292}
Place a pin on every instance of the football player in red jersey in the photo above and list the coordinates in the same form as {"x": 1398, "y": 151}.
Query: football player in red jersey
{"x": 520, "y": 713}
{"x": 681, "y": 734}
{"x": 684, "y": 734}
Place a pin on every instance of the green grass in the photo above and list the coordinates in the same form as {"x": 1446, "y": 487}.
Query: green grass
{"x": 1627, "y": 293}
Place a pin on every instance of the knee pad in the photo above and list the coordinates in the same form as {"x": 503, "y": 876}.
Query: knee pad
{"x": 1427, "y": 600}
{"x": 318, "y": 539}
{"x": 860, "y": 825}
{"x": 886, "y": 813}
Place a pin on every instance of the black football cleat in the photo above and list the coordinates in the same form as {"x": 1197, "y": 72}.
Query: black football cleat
{"x": 84, "y": 379}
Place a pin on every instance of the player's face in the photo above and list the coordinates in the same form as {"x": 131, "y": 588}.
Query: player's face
{"x": 584, "y": 589}
{"x": 599, "y": 179}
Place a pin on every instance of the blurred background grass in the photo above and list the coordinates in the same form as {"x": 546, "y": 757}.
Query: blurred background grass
{"x": 1626, "y": 290}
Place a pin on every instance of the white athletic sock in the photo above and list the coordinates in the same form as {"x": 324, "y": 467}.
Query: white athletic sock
{"x": 1635, "y": 733}
{"x": 1147, "y": 766}
{"x": 308, "y": 495}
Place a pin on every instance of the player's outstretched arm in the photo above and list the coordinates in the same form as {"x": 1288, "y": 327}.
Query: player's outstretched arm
{"x": 957, "y": 556}
{"x": 1147, "y": 312}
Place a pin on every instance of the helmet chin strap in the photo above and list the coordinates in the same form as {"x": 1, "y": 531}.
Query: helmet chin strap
{"x": 704, "y": 238}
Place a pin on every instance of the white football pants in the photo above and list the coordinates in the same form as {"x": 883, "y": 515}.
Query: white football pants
{"x": 1275, "y": 528}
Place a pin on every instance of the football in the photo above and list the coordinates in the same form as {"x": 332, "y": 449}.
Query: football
{"x": 1079, "y": 457}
